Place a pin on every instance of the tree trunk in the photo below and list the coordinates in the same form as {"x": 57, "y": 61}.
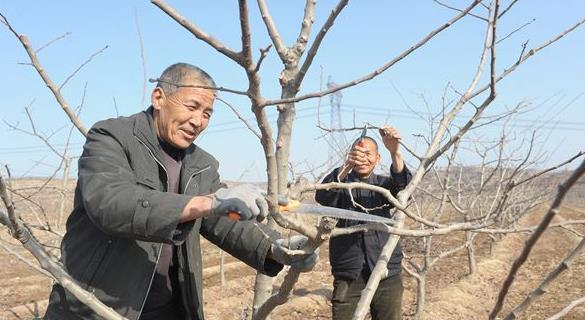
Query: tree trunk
{"x": 470, "y": 253}
{"x": 263, "y": 285}
{"x": 221, "y": 267}
{"x": 421, "y": 283}
{"x": 60, "y": 222}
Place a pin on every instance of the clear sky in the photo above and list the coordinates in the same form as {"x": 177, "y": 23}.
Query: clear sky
{"x": 365, "y": 36}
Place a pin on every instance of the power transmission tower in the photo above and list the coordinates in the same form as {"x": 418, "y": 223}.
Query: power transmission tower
{"x": 337, "y": 141}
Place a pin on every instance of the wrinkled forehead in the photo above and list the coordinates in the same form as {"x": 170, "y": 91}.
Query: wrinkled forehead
{"x": 197, "y": 84}
{"x": 190, "y": 91}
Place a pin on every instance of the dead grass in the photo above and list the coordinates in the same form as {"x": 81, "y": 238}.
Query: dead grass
{"x": 450, "y": 293}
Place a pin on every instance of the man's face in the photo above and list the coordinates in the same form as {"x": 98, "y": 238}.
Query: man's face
{"x": 180, "y": 117}
{"x": 372, "y": 157}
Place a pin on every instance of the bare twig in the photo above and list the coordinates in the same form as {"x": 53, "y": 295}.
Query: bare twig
{"x": 239, "y": 92}
{"x": 553, "y": 210}
{"x": 527, "y": 56}
{"x": 507, "y": 8}
{"x": 541, "y": 289}
{"x": 319, "y": 39}
{"x": 277, "y": 41}
{"x": 248, "y": 125}
{"x": 516, "y": 30}
{"x": 459, "y": 10}
{"x": 23, "y": 259}
{"x": 53, "y": 41}
{"x": 263, "y": 53}
{"x": 142, "y": 59}
{"x": 46, "y": 79}
{"x": 378, "y": 71}
{"x": 88, "y": 60}
{"x": 197, "y": 32}
{"x": 24, "y": 235}
{"x": 561, "y": 314}
{"x": 579, "y": 154}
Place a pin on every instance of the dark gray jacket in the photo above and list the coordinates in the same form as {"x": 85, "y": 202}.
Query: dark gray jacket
{"x": 122, "y": 214}
{"x": 353, "y": 253}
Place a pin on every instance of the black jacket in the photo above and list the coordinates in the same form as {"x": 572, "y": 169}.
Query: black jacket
{"x": 349, "y": 254}
{"x": 122, "y": 215}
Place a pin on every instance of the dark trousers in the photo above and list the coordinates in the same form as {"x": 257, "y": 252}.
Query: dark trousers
{"x": 386, "y": 304}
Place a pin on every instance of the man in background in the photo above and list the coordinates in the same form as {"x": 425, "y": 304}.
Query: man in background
{"x": 354, "y": 256}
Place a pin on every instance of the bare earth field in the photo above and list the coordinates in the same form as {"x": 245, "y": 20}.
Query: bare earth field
{"x": 450, "y": 293}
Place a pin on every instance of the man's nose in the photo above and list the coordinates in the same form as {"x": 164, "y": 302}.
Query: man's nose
{"x": 196, "y": 119}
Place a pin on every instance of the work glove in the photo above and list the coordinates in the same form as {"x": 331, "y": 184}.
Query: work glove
{"x": 246, "y": 200}
{"x": 287, "y": 252}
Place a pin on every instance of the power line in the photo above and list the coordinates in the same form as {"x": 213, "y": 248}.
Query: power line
{"x": 305, "y": 112}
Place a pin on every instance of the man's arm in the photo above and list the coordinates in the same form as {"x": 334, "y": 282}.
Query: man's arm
{"x": 332, "y": 197}
{"x": 391, "y": 138}
{"x": 400, "y": 174}
{"x": 247, "y": 241}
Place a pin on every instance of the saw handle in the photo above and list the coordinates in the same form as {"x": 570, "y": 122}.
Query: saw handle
{"x": 233, "y": 215}
{"x": 289, "y": 205}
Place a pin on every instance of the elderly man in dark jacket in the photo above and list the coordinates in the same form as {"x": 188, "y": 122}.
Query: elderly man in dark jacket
{"x": 354, "y": 256}
{"x": 144, "y": 195}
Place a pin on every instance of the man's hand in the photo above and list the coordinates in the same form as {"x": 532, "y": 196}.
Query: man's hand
{"x": 356, "y": 157}
{"x": 246, "y": 199}
{"x": 391, "y": 138}
{"x": 286, "y": 251}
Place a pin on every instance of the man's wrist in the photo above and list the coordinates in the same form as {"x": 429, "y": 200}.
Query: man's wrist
{"x": 344, "y": 171}
{"x": 197, "y": 207}
{"x": 397, "y": 162}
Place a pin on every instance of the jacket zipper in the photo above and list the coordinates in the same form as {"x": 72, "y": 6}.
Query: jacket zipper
{"x": 194, "y": 174}
{"x": 150, "y": 283}
{"x": 160, "y": 247}
{"x": 187, "y": 276}
{"x": 156, "y": 160}
{"x": 185, "y": 264}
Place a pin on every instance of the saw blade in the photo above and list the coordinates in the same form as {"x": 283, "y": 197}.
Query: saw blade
{"x": 340, "y": 214}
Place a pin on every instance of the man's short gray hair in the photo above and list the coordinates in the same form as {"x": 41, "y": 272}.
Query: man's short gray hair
{"x": 183, "y": 74}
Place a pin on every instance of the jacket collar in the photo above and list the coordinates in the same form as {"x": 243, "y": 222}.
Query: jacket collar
{"x": 353, "y": 177}
{"x": 194, "y": 159}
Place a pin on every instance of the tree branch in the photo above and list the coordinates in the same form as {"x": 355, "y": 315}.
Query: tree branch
{"x": 459, "y": 10}
{"x": 553, "y": 210}
{"x": 248, "y": 125}
{"x": 291, "y": 278}
{"x": 88, "y": 60}
{"x": 246, "y": 34}
{"x": 238, "y": 92}
{"x": 318, "y": 40}
{"x": 197, "y": 32}
{"x": 380, "y": 70}
{"x": 46, "y": 79}
{"x": 279, "y": 45}
{"x": 561, "y": 314}
{"x": 541, "y": 289}
{"x": 24, "y": 235}
{"x": 53, "y": 41}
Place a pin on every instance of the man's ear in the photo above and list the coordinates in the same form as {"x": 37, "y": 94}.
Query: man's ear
{"x": 157, "y": 98}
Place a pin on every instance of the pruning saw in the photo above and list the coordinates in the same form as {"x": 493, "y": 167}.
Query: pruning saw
{"x": 294, "y": 206}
